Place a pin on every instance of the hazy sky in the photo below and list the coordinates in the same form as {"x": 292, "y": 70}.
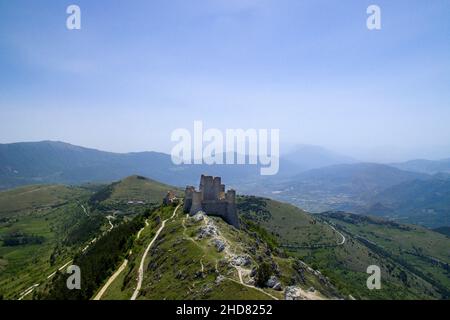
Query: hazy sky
{"x": 140, "y": 69}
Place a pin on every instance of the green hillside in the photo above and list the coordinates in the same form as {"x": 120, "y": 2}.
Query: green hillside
{"x": 40, "y": 197}
{"x": 40, "y": 226}
{"x": 44, "y": 227}
{"x": 184, "y": 265}
{"x": 319, "y": 241}
{"x": 415, "y": 258}
{"x": 322, "y": 256}
{"x": 131, "y": 195}
{"x": 443, "y": 230}
{"x": 53, "y": 162}
{"x": 293, "y": 226}
{"x": 423, "y": 202}
{"x": 137, "y": 188}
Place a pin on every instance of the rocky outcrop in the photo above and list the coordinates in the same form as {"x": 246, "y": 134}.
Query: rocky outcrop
{"x": 274, "y": 283}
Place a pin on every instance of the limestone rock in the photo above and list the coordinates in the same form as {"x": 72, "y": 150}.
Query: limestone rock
{"x": 274, "y": 283}
{"x": 242, "y": 260}
{"x": 199, "y": 216}
{"x": 219, "y": 244}
{"x": 219, "y": 279}
{"x": 207, "y": 231}
{"x": 292, "y": 293}
{"x": 277, "y": 287}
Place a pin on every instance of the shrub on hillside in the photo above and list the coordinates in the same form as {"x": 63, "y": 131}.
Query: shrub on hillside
{"x": 263, "y": 274}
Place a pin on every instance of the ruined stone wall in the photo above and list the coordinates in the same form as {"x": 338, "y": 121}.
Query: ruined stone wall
{"x": 232, "y": 216}
{"x": 212, "y": 199}
{"x": 197, "y": 197}
{"x": 188, "y": 199}
{"x": 215, "y": 208}
{"x": 207, "y": 187}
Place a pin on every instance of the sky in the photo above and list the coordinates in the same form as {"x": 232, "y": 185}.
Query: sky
{"x": 137, "y": 70}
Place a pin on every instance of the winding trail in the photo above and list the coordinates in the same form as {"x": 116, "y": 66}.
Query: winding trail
{"x": 140, "y": 231}
{"x": 141, "y": 266}
{"x": 343, "y": 237}
{"x": 111, "y": 280}
{"x": 110, "y": 223}
{"x": 31, "y": 289}
{"x": 120, "y": 270}
{"x": 229, "y": 255}
{"x": 28, "y": 291}
{"x": 84, "y": 209}
{"x": 253, "y": 287}
{"x": 34, "y": 286}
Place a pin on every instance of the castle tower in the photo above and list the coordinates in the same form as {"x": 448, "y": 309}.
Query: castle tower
{"x": 217, "y": 183}
{"x": 196, "y": 202}
{"x": 231, "y": 215}
{"x": 207, "y": 187}
{"x": 212, "y": 199}
{"x": 188, "y": 199}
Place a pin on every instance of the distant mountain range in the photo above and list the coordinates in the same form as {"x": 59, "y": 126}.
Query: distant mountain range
{"x": 59, "y": 162}
{"x": 340, "y": 187}
{"x": 425, "y": 166}
{"x": 360, "y": 179}
{"x": 307, "y": 157}
{"x": 425, "y": 202}
{"x": 310, "y": 177}
{"x": 370, "y": 189}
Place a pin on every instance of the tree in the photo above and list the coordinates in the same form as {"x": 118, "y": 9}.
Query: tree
{"x": 263, "y": 274}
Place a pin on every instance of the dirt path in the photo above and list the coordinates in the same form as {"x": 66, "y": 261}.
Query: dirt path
{"x": 229, "y": 255}
{"x": 202, "y": 266}
{"x": 183, "y": 223}
{"x": 253, "y": 287}
{"x": 84, "y": 209}
{"x": 28, "y": 291}
{"x": 343, "y": 237}
{"x": 111, "y": 280}
{"x": 34, "y": 286}
{"x": 31, "y": 289}
{"x": 120, "y": 270}
{"x": 110, "y": 223}
{"x": 141, "y": 266}
{"x": 140, "y": 231}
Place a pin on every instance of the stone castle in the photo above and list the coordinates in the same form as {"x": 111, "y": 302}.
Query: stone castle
{"x": 212, "y": 199}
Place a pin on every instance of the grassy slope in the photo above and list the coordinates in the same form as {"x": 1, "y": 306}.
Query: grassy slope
{"x": 421, "y": 252}
{"x": 136, "y": 188}
{"x": 173, "y": 266}
{"x": 46, "y": 211}
{"x": 443, "y": 230}
{"x": 346, "y": 264}
{"x": 290, "y": 224}
{"x": 32, "y": 198}
{"x": 41, "y": 211}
